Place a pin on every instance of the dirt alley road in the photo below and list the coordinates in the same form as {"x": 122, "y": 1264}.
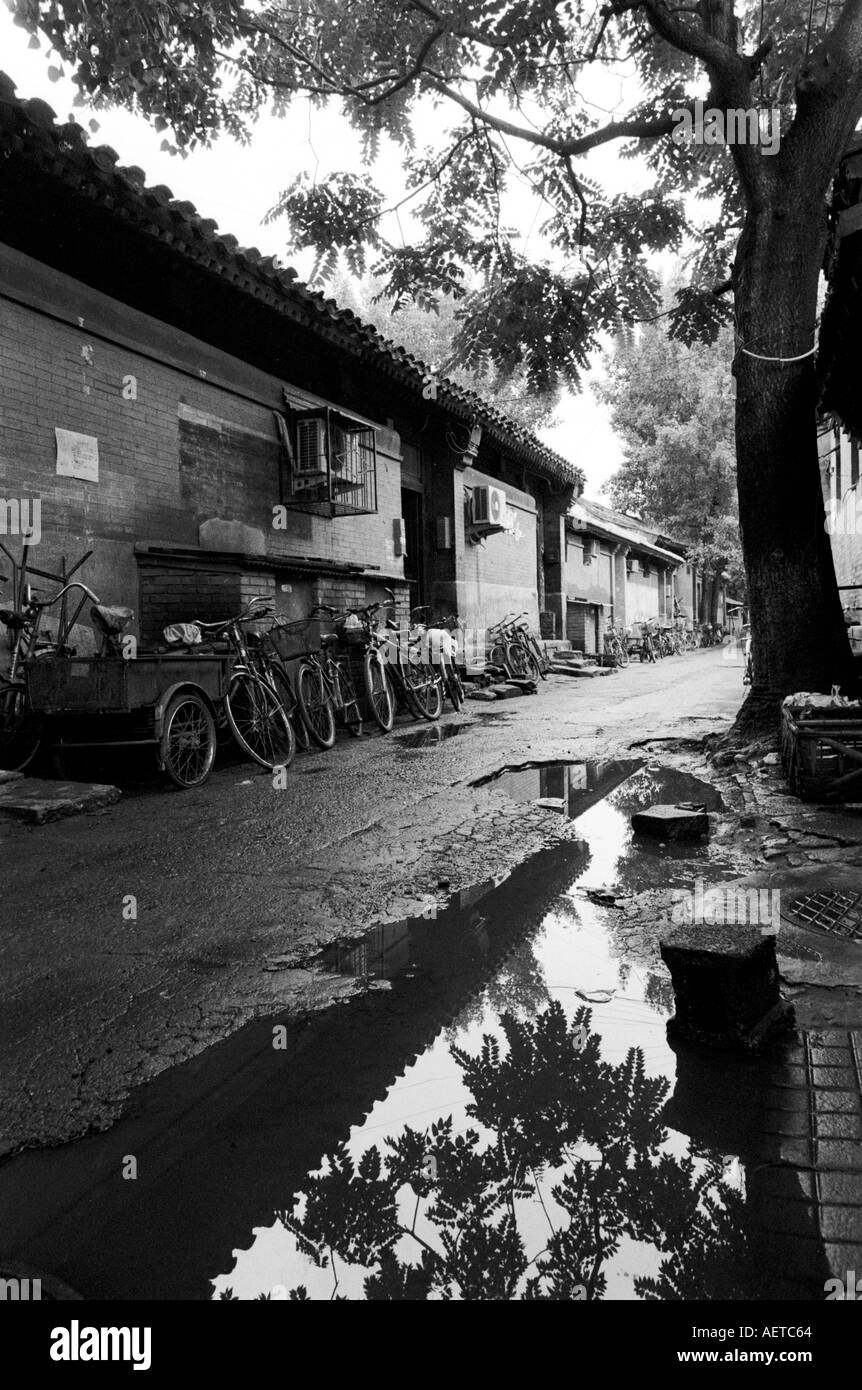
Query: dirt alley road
{"x": 238, "y": 884}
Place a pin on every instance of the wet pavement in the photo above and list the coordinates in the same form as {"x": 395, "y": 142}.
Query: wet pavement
{"x": 474, "y": 1097}
{"x": 494, "y": 1084}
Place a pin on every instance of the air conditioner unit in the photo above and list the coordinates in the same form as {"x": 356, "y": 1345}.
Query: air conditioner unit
{"x": 489, "y": 508}
{"x": 310, "y": 456}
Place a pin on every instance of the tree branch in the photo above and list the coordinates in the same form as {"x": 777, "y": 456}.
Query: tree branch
{"x": 565, "y": 147}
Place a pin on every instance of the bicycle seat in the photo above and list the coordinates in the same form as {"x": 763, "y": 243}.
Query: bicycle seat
{"x": 111, "y": 621}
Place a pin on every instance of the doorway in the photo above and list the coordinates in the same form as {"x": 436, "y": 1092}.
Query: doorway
{"x": 414, "y": 560}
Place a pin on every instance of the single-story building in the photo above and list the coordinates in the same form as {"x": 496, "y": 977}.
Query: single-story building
{"x": 210, "y": 428}
{"x": 619, "y": 571}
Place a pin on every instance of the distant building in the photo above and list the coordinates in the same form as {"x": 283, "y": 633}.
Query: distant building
{"x": 619, "y": 571}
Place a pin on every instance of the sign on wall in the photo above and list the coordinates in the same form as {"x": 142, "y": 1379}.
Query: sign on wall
{"x": 77, "y": 455}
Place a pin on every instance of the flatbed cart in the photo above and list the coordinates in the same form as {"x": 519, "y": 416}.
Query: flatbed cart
{"x": 167, "y": 702}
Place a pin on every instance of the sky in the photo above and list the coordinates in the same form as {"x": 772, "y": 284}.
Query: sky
{"x": 236, "y": 185}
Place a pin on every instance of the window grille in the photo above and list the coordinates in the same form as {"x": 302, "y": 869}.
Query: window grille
{"x": 329, "y": 462}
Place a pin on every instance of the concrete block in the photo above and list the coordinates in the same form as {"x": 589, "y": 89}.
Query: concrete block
{"x": 36, "y": 800}
{"x": 485, "y": 695}
{"x": 681, "y": 822}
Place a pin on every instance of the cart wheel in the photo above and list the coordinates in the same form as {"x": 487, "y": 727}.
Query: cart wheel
{"x": 20, "y": 727}
{"x": 188, "y": 743}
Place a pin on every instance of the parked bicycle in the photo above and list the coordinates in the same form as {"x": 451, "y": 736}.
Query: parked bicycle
{"x": 254, "y": 706}
{"x": 444, "y": 651}
{"x": 416, "y": 685}
{"x": 647, "y": 651}
{"x": 510, "y": 650}
{"x": 615, "y": 645}
{"x": 364, "y": 645}
{"x": 324, "y": 685}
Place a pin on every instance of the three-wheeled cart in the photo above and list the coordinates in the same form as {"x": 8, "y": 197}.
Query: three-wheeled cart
{"x": 168, "y": 702}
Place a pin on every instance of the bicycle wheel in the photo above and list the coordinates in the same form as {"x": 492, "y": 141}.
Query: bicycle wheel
{"x": 541, "y": 660}
{"x": 530, "y": 664}
{"x": 348, "y": 700}
{"x": 188, "y": 744}
{"x": 20, "y": 727}
{"x": 402, "y": 680}
{"x": 622, "y": 654}
{"x": 258, "y": 722}
{"x": 378, "y": 692}
{"x": 314, "y": 704}
{"x": 280, "y": 681}
{"x": 453, "y": 683}
{"x": 424, "y": 687}
{"x": 498, "y": 656}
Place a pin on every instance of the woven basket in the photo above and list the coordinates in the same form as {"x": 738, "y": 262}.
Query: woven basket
{"x": 299, "y": 638}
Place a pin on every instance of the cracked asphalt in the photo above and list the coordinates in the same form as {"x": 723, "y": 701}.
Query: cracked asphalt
{"x": 137, "y": 936}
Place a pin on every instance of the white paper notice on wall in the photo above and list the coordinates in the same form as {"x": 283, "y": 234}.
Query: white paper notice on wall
{"x": 77, "y": 455}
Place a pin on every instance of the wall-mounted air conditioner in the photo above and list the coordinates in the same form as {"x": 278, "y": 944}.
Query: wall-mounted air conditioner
{"x": 488, "y": 509}
{"x": 310, "y": 457}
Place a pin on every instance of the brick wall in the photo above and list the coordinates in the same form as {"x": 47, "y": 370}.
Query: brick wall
{"x": 71, "y": 375}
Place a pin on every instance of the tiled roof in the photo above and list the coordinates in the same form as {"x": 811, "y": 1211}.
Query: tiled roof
{"x": 62, "y": 151}
{"x": 625, "y": 528}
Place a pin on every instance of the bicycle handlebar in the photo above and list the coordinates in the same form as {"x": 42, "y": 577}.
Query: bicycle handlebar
{"x": 76, "y": 584}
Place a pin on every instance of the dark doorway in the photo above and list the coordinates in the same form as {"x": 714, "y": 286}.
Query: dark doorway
{"x": 414, "y": 566}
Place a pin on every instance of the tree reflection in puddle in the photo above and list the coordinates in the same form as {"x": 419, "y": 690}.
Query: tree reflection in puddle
{"x": 567, "y": 1162}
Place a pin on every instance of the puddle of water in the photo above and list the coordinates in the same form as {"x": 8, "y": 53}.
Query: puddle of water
{"x": 465, "y": 1101}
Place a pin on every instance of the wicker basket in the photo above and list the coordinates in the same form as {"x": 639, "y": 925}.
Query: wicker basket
{"x": 822, "y": 756}
{"x": 299, "y": 638}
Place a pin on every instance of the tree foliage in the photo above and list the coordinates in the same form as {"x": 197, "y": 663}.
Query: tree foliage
{"x": 430, "y": 334}
{"x": 672, "y": 406}
{"x": 504, "y": 85}
{"x": 507, "y": 90}
{"x": 547, "y": 1108}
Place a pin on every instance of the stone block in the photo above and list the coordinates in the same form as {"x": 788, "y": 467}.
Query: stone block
{"x": 681, "y": 822}
{"x": 36, "y": 800}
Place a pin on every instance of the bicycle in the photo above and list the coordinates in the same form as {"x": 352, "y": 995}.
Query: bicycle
{"x": 253, "y": 707}
{"x": 510, "y": 652}
{"x": 20, "y": 726}
{"x": 527, "y": 638}
{"x": 325, "y": 688}
{"x": 441, "y": 634}
{"x": 270, "y": 664}
{"x": 361, "y": 638}
{"x": 647, "y": 647}
{"x": 615, "y": 646}
{"x": 415, "y": 684}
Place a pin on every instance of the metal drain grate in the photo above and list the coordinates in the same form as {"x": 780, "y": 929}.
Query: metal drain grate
{"x": 836, "y": 912}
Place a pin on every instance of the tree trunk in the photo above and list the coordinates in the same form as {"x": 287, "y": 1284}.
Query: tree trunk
{"x": 799, "y": 641}
{"x": 714, "y": 593}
